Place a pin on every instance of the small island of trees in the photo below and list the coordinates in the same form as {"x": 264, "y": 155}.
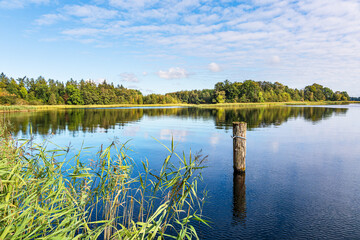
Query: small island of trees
{"x": 29, "y": 91}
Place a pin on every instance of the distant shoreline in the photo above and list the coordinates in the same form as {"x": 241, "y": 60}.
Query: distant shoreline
{"x": 26, "y": 108}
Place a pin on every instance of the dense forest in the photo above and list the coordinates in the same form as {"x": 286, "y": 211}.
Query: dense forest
{"x": 39, "y": 91}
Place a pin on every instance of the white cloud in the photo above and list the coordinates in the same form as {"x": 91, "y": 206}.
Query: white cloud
{"x": 149, "y": 91}
{"x": 97, "y": 81}
{"x": 90, "y": 13}
{"x": 49, "y": 19}
{"x": 82, "y": 32}
{"x": 129, "y": 77}
{"x": 316, "y": 39}
{"x": 173, "y": 73}
{"x": 131, "y": 3}
{"x": 20, "y": 3}
{"x": 275, "y": 59}
{"x": 214, "y": 67}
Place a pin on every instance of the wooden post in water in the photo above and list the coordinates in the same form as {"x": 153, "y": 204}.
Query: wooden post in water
{"x": 239, "y": 145}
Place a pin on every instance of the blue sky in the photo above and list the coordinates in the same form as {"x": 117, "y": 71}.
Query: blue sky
{"x": 163, "y": 46}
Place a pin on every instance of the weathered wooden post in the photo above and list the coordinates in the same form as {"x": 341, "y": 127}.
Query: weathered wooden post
{"x": 239, "y": 145}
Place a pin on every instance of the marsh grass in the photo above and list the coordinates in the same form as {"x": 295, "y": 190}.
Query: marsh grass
{"x": 52, "y": 194}
{"x": 15, "y": 108}
{"x": 271, "y": 104}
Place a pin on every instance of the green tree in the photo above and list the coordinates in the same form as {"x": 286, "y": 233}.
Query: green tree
{"x": 4, "y": 81}
{"x": 52, "y": 99}
{"x": 74, "y": 96}
{"x": 251, "y": 90}
{"x": 13, "y": 87}
{"x": 41, "y": 90}
{"x": 220, "y": 96}
{"x": 23, "y": 93}
{"x": 328, "y": 93}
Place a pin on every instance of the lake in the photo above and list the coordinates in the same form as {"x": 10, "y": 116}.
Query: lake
{"x": 303, "y": 162}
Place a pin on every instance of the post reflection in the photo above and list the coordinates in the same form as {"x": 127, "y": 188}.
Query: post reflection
{"x": 239, "y": 199}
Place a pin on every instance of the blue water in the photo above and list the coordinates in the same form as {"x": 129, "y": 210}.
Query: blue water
{"x": 303, "y": 163}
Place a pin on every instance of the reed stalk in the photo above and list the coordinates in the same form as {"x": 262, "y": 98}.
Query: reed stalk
{"x": 49, "y": 193}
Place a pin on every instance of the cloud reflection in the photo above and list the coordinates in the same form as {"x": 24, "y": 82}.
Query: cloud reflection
{"x": 177, "y": 135}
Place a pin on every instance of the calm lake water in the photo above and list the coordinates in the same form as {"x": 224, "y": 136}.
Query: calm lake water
{"x": 303, "y": 163}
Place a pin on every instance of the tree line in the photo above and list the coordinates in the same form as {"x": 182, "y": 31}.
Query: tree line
{"x": 252, "y": 91}
{"x": 41, "y": 91}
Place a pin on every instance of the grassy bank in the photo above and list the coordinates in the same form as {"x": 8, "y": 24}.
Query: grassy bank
{"x": 53, "y": 194}
{"x": 271, "y": 104}
{"x": 15, "y": 108}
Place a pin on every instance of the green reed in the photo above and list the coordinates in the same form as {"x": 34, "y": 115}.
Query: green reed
{"x": 14, "y": 108}
{"x": 42, "y": 197}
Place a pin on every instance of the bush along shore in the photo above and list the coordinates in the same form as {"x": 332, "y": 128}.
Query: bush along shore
{"x": 29, "y": 91}
{"x": 102, "y": 198}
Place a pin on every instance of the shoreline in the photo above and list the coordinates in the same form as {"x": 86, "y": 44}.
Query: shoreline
{"x": 28, "y": 108}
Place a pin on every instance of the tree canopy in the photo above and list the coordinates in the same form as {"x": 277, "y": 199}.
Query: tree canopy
{"x": 41, "y": 91}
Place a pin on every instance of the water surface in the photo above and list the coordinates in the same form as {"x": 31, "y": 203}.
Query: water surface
{"x": 302, "y": 178}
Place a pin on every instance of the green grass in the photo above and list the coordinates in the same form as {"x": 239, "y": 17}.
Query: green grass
{"x": 269, "y": 104}
{"x": 41, "y": 197}
{"x": 14, "y": 108}
{"x": 19, "y": 108}
{"x": 322, "y": 103}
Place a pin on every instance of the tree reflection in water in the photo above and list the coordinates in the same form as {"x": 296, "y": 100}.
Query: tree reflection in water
{"x": 88, "y": 120}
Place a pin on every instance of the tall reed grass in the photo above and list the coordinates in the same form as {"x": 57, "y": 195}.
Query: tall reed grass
{"x": 18, "y": 108}
{"x": 51, "y": 194}
{"x": 14, "y": 108}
